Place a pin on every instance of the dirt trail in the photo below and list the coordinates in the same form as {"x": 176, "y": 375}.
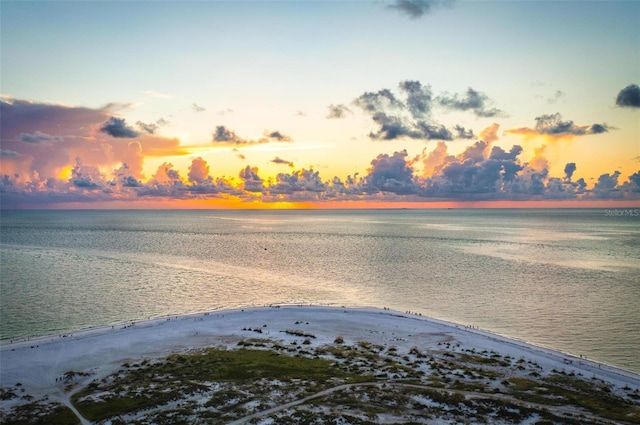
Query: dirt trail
{"x": 558, "y": 410}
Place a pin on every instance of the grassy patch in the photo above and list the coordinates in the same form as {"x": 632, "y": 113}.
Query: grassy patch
{"x": 468, "y": 386}
{"x": 474, "y": 358}
{"x": 563, "y": 389}
{"x": 41, "y": 414}
{"x": 157, "y": 384}
{"x": 597, "y": 399}
{"x": 523, "y": 384}
{"x": 226, "y": 398}
{"x": 297, "y": 332}
{"x": 7, "y": 394}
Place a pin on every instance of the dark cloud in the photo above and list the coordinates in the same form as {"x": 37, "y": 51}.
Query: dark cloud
{"x": 382, "y": 100}
{"x": 338, "y": 111}
{"x": 500, "y": 154}
{"x": 197, "y": 108}
{"x": 85, "y": 182}
{"x": 147, "y": 128}
{"x": 129, "y": 181}
{"x": 459, "y": 174}
{"x": 419, "y": 97}
{"x": 39, "y": 137}
{"x": 6, "y": 184}
{"x": 117, "y": 127}
{"x": 151, "y": 128}
{"x": 598, "y": 128}
{"x": 552, "y": 125}
{"x": 608, "y": 187}
{"x": 569, "y": 169}
{"x": 392, "y": 127}
{"x": 223, "y": 135}
{"x": 415, "y": 9}
{"x": 85, "y": 176}
{"x": 606, "y": 184}
{"x": 472, "y": 100}
{"x": 278, "y": 160}
{"x": 8, "y": 153}
{"x": 173, "y": 174}
{"x": 277, "y": 136}
{"x": 434, "y": 131}
{"x": 463, "y": 133}
{"x": 474, "y": 174}
{"x": 635, "y": 179}
{"x": 391, "y": 173}
{"x": 212, "y": 187}
{"x": 629, "y": 97}
{"x": 510, "y": 169}
{"x": 489, "y": 175}
{"x": 252, "y": 182}
{"x": 475, "y": 152}
{"x": 298, "y": 181}
{"x": 411, "y": 117}
{"x": 536, "y": 185}
{"x": 201, "y": 186}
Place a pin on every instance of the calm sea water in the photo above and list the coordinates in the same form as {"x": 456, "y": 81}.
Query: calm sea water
{"x": 565, "y": 279}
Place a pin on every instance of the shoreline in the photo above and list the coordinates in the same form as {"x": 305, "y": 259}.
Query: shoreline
{"x": 149, "y": 322}
{"x": 178, "y": 326}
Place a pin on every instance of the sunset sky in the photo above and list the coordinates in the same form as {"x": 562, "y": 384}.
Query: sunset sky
{"x": 328, "y": 104}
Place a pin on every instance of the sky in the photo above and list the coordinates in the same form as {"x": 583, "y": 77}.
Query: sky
{"x": 319, "y": 104}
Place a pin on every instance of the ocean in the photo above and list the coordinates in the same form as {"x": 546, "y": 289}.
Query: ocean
{"x": 563, "y": 279}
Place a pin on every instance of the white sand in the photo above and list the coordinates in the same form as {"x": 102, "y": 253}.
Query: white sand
{"x": 37, "y": 363}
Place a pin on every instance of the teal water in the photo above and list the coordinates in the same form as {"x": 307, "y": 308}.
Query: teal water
{"x": 564, "y": 279}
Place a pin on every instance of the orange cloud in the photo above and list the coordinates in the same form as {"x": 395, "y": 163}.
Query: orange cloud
{"x": 490, "y": 134}
{"x": 539, "y": 162}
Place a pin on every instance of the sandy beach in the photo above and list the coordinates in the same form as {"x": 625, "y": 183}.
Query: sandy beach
{"x": 38, "y": 365}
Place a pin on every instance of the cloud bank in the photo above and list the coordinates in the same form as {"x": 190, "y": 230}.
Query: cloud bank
{"x": 54, "y": 154}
